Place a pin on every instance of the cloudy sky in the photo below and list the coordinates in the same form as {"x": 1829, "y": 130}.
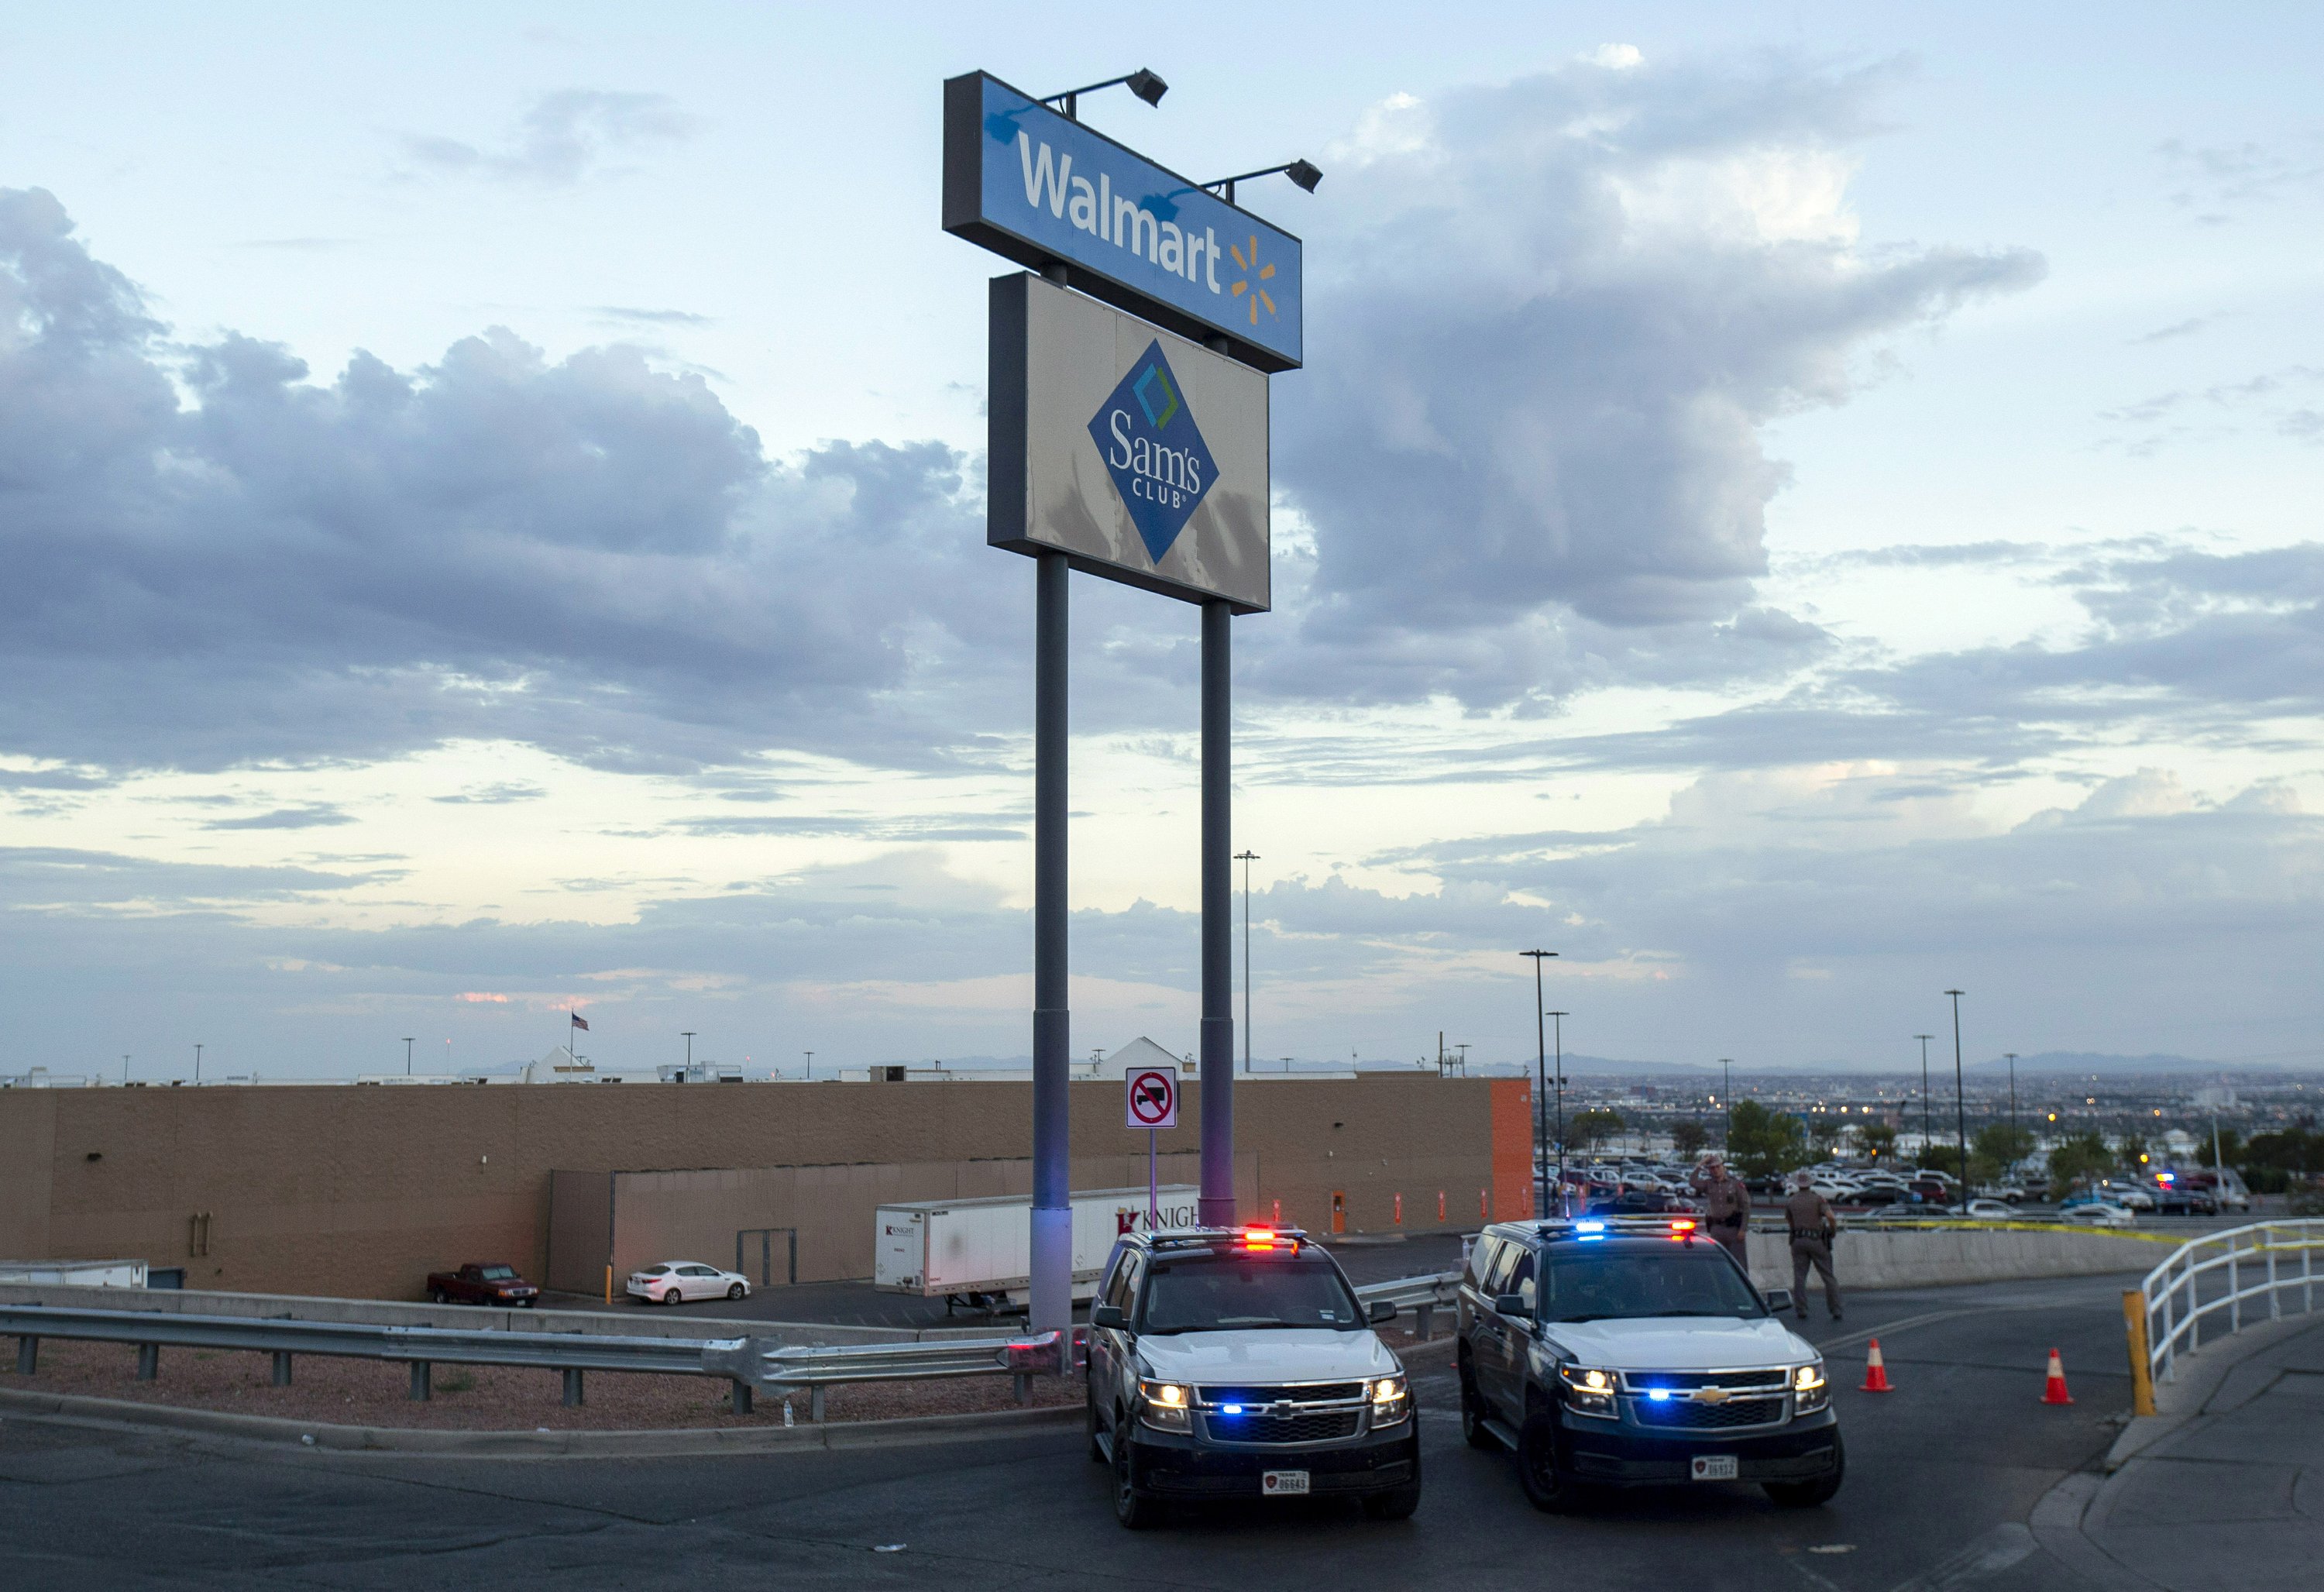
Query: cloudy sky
{"x": 1794, "y": 511}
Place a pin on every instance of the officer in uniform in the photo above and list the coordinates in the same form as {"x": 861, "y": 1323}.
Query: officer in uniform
{"x": 1813, "y": 1225}
{"x": 1726, "y": 1206}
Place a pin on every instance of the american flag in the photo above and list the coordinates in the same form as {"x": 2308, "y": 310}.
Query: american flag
{"x": 580, "y": 1022}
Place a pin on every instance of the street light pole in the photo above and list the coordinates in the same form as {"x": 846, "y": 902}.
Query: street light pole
{"x": 1960, "y": 1100}
{"x": 1541, "y": 1075}
{"x": 1246, "y": 857}
{"x": 198, "y": 1065}
{"x": 1924, "y": 1039}
{"x": 1727, "y": 1101}
{"x": 1559, "y": 1019}
{"x": 406, "y": 1055}
{"x": 2013, "y": 1102}
{"x": 687, "y": 1035}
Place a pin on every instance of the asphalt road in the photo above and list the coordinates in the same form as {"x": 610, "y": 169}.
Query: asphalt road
{"x": 1943, "y": 1474}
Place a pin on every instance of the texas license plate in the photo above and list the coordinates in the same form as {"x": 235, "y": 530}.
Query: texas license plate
{"x": 1282, "y": 1484}
{"x": 1714, "y": 1468}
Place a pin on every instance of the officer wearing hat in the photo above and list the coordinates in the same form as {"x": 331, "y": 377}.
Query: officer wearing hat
{"x": 1813, "y": 1225}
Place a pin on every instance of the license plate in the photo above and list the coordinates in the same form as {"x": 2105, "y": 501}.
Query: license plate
{"x": 1283, "y": 1484}
{"x": 1714, "y": 1468}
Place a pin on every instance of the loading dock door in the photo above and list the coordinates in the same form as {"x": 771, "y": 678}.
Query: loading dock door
{"x": 755, "y": 1250}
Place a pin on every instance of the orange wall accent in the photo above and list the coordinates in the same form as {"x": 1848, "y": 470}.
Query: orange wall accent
{"x": 1512, "y": 1149}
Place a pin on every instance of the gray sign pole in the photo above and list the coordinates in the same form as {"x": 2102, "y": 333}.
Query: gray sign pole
{"x": 1052, "y": 1303}
{"x": 1218, "y": 1205}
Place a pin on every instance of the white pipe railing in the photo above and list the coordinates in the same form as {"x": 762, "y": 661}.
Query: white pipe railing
{"x": 2176, "y": 1308}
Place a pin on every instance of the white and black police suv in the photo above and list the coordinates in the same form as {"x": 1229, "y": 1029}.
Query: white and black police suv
{"x": 1634, "y": 1352}
{"x": 1238, "y": 1363}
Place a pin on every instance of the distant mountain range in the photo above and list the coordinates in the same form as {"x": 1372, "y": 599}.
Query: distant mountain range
{"x": 2047, "y": 1063}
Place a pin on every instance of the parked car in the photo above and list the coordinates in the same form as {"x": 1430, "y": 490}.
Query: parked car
{"x": 2178, "y": 1199}
{"x": 2129, "y": 1194}
{"x": 1916, "y": 1210}
{"x": 674, "y": 1282}
{"x": 2089, "y": 1211}
{"x": 1990, "y": 1211}
{"x": 483, "y": 1281}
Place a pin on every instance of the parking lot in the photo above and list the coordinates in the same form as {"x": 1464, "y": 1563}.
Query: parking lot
{"x": 1944, "y": 1475}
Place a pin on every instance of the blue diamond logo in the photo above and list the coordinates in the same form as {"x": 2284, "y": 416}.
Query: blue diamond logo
{"x": 1159, "y": 463}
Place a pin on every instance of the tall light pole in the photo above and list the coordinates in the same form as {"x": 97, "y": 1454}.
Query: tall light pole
{"x": 1541, "y": 1075}
{"x": 1246, "y": 857}
{"x": 810, "y": 1067}
{"x": 2013, "y": 1102}
{"x": 1464, "y": 1059}
{"x": 1924, "y": 1039}
{"x": 406, "y": 1055}
{"x": 1960, "y": 1100}
{"x": 1727, "y": 1101}
{"x": 1559, "y": 1019}
{"x": 687, "y": 1035}
{"x": 125, "y": 1073}
{"x": 198, "y": 1065}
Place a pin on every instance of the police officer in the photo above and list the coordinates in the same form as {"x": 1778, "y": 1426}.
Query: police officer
{"x": 1726, "y": 1206}
{"x": 1813, "y": 1225}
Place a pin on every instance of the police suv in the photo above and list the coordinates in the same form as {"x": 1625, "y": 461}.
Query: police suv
{"x": 1636, "y": 1352}
{"x": 1238, "y": 1363}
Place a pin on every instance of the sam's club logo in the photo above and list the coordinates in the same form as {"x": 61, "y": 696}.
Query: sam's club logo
{"x": 1159, "y": 463}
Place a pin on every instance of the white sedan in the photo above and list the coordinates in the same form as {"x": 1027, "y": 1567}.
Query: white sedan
{"x": 2099, "y": 1214}
{"x": 674, "y": 1282}
{"x": 1990, "y": 1211}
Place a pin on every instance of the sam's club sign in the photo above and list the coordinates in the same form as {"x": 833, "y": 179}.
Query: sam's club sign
{"x": 1028, "y": 183}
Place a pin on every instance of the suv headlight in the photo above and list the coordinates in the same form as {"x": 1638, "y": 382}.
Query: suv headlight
{"x": 1164, "y": 1405}
{"x": 1588, "y": 1391}
{"x": 1391, "y": 1398}
{"x": 1810, "y": 1391}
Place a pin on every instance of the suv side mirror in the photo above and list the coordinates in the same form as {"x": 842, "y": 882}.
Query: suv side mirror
{"x": 1511, "y": 1304}
{"x": 1779, "y": 1300}
{"x": 1380, "y": 1311}
{"x": 1108, "y": 1315}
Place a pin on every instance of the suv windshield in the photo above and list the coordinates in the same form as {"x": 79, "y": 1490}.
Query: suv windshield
{"x": 1211, "y": 1293}
{"x": 1614, "y": 1286}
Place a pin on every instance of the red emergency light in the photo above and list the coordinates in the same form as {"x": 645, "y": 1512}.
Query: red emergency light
{"x": 1681, "y": 1226}
{"x": 1258, "y": 1238}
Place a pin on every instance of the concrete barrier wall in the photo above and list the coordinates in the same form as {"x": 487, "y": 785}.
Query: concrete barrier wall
{"x": 1926, "y": 1259}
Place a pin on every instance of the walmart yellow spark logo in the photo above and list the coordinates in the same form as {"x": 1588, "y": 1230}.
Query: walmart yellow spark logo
{"x": 1253, "y": 273}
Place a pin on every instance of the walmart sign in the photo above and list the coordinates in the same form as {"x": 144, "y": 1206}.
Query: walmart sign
{"x": 1028, "y": 183}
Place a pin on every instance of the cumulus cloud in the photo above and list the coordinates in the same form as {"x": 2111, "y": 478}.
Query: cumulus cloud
{"x": 1558, "y": 313}
{"x": 588, "y": 554}
{"x": 562, "y": 138}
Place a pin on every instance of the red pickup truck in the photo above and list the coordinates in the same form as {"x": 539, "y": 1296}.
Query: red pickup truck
{"x": 482, "y": 1282}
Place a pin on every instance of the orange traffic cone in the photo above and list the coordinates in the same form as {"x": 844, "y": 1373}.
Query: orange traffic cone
{"x": 1876, "y": 1371}
{"x": 2053, "y": 1391}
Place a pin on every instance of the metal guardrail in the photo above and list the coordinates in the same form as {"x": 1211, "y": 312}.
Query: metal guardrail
{"x": 2169, "y": 1310}
{"x": 751, "y": 1364}
{"x": 1424, "y": 1296}
{"x": 422, "y": 1348}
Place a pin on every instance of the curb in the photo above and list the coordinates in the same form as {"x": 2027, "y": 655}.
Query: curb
{"x": 81, "y": 1409}
{"x": 2203, "y": 1373}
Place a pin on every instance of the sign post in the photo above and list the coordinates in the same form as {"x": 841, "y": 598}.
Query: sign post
{"x": 1128, "y": 440}
{"x": 1153, "y": 1094}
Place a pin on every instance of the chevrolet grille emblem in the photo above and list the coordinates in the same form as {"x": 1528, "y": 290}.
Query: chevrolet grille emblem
{"x": 1710, "y": 1395}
